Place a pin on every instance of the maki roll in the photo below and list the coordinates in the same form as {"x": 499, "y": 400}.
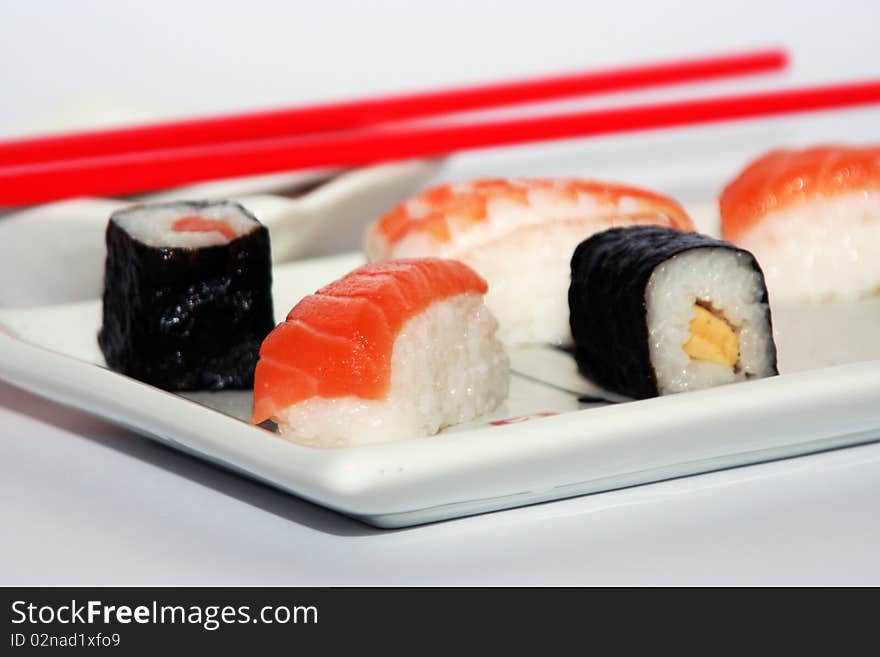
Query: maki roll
{"x": 656, "y": 311}
{"x": 392, "y": 350}
{"x": 187, "y": 295}
{"x": 812, "y": 218}
{"x": 519, "y": 235}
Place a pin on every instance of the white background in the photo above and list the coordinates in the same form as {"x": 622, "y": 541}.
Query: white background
{"x": 83, "y": 502}
{"x": 166, "y": 57}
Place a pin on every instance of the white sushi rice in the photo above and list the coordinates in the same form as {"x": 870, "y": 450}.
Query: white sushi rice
{"x": 447, "y": 367}
{"x": 827, "y": 249}
{"x": 725, "y": 281}
{"x": 152, "y": 224}
{"x": 529, "y": 271}
{"x": 524, "y": 253}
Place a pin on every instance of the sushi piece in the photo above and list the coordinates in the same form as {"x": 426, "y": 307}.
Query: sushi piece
{"x": 519, "y": 235}
{"x": 656, "y": 311}
{"x": 391, "y": 350}
{"x": 812, "y": 219}
{"x": 187, "y": 295}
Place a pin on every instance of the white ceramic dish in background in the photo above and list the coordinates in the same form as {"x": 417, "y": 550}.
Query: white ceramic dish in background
{"x": 532, "y": 457}
{"x": 57, "y": 250}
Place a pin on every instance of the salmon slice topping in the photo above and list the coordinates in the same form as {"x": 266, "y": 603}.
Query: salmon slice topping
{"x": 194, "y": 224}
{"x": 338, "y": 342}
{"x": 786, "y": 178}
{"x": 467, "y": 203}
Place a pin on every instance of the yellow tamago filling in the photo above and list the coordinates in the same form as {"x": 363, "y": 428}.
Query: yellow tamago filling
{"x": 712, "y": 338}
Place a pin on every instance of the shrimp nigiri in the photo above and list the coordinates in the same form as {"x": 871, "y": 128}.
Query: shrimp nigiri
{"x": 518, "y": 234}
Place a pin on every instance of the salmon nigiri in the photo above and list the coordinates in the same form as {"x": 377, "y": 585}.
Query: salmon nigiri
{"x": 812, "y": 219}
{"x": 520, "y": 235}
{"x": 391, "y": 350}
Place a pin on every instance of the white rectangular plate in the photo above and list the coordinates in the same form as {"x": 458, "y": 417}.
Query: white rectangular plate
{"x": 542, "y": 444}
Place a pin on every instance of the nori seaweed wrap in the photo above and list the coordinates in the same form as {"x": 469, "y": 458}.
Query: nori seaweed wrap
{"x": 187, "y": 295}
{"x": 654, "y": 310}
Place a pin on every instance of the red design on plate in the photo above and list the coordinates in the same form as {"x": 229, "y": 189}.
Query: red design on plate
{"x": 521, "y": 418}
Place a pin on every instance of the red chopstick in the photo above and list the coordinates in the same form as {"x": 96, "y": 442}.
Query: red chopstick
{"x": 369, "y": 112}
{"x": 140, "y": 172}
